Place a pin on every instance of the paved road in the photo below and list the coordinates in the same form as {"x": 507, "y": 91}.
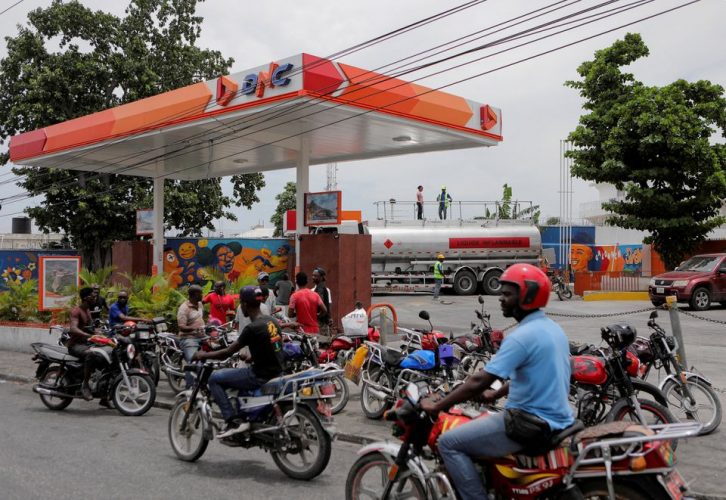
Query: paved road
{"x": 87, "y": 452}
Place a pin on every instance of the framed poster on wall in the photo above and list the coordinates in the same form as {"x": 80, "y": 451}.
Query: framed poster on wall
{"x": 57, "y": 275}
{"x": 323, "y": 209}
{"x": 145, "y": 222}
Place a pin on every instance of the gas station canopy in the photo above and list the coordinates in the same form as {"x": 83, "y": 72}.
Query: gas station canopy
{"x": 295, "y": 112}
{"x": 251, "y": 121}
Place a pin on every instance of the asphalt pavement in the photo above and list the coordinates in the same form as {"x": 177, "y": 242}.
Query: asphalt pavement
{"x": 700, "y": 460}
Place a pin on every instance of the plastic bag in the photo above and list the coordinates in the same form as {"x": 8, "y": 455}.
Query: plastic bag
{"x": 355, "y": 323}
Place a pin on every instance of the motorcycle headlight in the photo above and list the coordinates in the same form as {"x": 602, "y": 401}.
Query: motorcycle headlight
{"x": 680, "y": 283}
{"x": 651, "y": 282}
{"x": 130, "y": 351}
{"x": 144, "y": 335}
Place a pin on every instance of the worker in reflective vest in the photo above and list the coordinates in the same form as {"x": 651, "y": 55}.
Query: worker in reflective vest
{"x": 444, "y": 199}
{"x": 438, "y": 275}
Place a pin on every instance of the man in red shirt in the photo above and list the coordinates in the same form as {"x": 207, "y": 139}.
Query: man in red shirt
{"x": 220, "y": 304}
{"x": 305, "y": 305}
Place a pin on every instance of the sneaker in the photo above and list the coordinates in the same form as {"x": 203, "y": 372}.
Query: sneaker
{"x": 233, "y": 428}
{"x": 86, "y": 393}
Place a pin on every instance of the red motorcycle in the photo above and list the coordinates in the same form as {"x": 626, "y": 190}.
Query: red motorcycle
{"x": 618, "y": 460}
{"x": 342, "y": 347}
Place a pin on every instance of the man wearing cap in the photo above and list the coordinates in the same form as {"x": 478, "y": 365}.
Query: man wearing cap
{"x": 263, "y": 338}
{"x": 438, "y": 275}
{"x": 220, "y": 304}
{"x": 444, "y": 199}
{"x": 305, "y": 305}
{"x": 263, "y": 280}
{"x": 190, "y": 317}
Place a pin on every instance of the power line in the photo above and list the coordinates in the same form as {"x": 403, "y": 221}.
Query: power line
{"x": 13, "y": 5}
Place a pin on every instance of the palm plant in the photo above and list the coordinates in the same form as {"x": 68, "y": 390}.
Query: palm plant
{"x": 20, "y": 303}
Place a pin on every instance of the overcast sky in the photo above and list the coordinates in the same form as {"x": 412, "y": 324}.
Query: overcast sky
{"x": 538, "y": 111}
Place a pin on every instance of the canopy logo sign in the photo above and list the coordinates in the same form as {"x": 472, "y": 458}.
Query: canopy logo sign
{"x": 274, "y": 77}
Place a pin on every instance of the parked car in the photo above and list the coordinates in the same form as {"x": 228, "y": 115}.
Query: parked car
{"x": 699, "y": 281}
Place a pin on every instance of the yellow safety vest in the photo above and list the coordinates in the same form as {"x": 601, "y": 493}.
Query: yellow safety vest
{"x": 438, "y": 270}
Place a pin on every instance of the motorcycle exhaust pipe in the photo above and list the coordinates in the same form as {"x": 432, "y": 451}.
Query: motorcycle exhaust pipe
{"x": 378, "y": 394}
{"x": 50, "y": 392}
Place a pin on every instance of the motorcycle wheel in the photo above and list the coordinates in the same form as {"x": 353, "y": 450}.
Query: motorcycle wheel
{"x": 598, "y": 488}
{"x": 342, "y": 394}
{"x": 367, "y": 479}
{"x": 176, "y": 382}
{"x": 654, "y": 413}
{"x": 707, "y": 408}
{"x": 136, "y": 398}
{"x": 190, "y": 444}
{"x": 567, "y": 293}
{"x": 373, "y": 407}
{"x": 50, "y": 379}
{"x": 150, "y": 363}
{"x": 306, "y": 453}
{"x": 559, "y": 293}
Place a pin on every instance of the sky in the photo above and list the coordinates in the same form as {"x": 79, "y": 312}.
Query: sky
{"x": 538, "y": 110}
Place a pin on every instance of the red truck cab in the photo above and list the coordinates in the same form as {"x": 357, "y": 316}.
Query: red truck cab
{"x": 699, "y": 281}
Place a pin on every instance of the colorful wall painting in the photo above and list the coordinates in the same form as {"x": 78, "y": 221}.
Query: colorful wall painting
{"x": 585, "y": 255}
{"x": 185, "y": 259}
{"x": 17, "y": 266}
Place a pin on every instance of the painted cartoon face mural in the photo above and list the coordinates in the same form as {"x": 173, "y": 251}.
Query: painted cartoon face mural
{"x": 236, "y": 259}
{"x": 18, "y": 266}
{"x": 586, "y": 256}
{"x": 580, "y": 257}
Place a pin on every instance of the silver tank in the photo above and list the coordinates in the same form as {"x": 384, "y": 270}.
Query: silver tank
{"x": 400, "y": 245}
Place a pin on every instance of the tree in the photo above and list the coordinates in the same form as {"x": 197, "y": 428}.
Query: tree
{"x": 654, "y": 144}
{"x": 286, "y": 200}
{"x": 508, "y": 209}
{"x": 102, "y": 61}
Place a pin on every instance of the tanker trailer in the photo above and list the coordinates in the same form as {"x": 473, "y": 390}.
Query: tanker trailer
{"x": 403, "y": 253}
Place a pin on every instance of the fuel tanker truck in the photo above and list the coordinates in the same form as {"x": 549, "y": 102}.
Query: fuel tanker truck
{"x": 476, "y": 253}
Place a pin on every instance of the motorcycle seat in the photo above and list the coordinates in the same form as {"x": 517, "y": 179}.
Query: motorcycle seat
{"x": 391, "y": 356}
{"x": 54, "y": 352}
{"x": 275, "y": 386}
{"x": 576, "y": 427}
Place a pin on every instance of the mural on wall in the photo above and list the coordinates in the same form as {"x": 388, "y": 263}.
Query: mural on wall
{"x": 239, "y": 259}
{"x": 22, "y": 265}
{"x": 585, "y": 255}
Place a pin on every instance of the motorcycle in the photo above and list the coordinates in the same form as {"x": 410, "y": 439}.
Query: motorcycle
{"x": 612, "y": 461}
{"x": 342, "y": 347}
{"x": 386, "y": 371}
{"x": 172, "y": 358}
{"x": 143, "y": 336}
{"x": 60, "y": 375}
{"x": 603, "y": 387}
{"x": 300, "y": 352}
{"x": 289, "y": 416}
{"x": 688, "y": 393}
{"x": 475, "y": 349}
{"x": 563, "y": 291}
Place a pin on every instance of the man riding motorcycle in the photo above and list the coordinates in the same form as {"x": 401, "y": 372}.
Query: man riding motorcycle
{"x": 535, "y": 360}
{"x": 81, "y": 325}
{"x": 263, "y": 337}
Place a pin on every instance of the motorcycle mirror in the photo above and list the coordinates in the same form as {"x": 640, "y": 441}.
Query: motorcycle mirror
{"x": 481, "y": 299}
{"x": 424, "y": 315}
{"x": 654, "y": 315}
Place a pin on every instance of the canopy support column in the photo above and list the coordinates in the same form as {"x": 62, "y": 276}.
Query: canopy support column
{"x": 158, "y": 259}
{"x": 303, "y": 186}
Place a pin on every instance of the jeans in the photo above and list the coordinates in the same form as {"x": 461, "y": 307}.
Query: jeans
{"x": 419, "y": 211}
{"x": 189, "y": 346}
{"x": 243, "y": 379}
{"x": 442, "y": 212}
{"x": 437, "y": 287}
{"x": 483, "y": 437}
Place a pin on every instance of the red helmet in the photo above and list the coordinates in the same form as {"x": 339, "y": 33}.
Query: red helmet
{"x": 534, "y": 286}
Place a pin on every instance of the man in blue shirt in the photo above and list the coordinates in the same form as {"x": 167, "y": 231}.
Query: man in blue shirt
{"x": 118, "y": 314}
{"x": 534, "y": 358}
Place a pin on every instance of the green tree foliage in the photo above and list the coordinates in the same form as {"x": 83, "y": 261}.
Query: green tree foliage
{"x": 20, "y": 302}
{"x": 285, "y": 201}
{"x": 69, "y": 61}
{"x": 654, "y": 143}
{"x": 508, "y": 209}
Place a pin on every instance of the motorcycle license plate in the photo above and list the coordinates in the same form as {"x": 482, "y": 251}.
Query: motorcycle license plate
{"x": 144, "y": 335}
{"x": 660, "y": 289}
{"x": 674, "y": 483}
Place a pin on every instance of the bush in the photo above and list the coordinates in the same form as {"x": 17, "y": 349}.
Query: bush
{"x": 20, "y": 303}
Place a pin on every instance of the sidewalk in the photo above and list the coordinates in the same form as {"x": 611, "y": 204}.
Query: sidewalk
{"x": 700, "y": 460}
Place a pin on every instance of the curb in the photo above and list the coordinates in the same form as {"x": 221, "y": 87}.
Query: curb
{"x": 701, "y": 496}
{"x": 597, "y": 295}
{"x": 17, "y": 378}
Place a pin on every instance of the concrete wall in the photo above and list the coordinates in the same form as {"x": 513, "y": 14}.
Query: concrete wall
{"x": 19, "y": 338}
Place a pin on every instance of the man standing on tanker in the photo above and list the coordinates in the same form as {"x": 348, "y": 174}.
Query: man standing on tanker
{"x": 535, "y": 358}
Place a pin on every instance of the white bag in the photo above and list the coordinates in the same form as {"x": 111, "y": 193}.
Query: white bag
{"x": 355, "y": 323}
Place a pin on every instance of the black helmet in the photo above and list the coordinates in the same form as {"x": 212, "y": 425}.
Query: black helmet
{"x": 618, "y": 335}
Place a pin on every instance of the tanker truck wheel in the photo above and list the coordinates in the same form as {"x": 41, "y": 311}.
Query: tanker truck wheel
{"x": 491, "y": 283}
{"x": 465, "y": 283}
